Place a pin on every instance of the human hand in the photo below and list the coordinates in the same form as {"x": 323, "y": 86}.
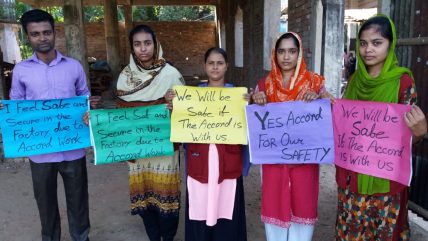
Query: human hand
{"x": 85, "y": 118}
{"x": 169, "y": 96}
{"x": 247, "y": 96}
{"x": 417, "y": 122}
{"x": 310, "y": 96}
{"x": 327, "y": 95}
{"x": 259, "y": 98}
{"x": 95, "y": 101}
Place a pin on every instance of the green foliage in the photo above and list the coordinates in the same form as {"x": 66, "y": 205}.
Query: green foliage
{"x": 188, "y": 13}
{"x": 93, "y": 13}
{"x": 139, "y": 13}
{"x": 142, "y": 13}
{"x": 3, "y": 14}
{"x": 26, "y": 50}
{"x": 24, "y": 46}
{"x": 120, "y": 13}
{"x": 21, "y": 8}
{"x": 206, "y": 13}
{"x": 176, "y": 13}
{"x": 56, "y": 12}
{"x": 173, "y": 13}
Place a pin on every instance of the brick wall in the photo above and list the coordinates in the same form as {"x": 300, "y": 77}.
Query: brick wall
{"x": 352, "y": 4}
{"x": 183, "y": 43}
{"x": 299, "y": 21}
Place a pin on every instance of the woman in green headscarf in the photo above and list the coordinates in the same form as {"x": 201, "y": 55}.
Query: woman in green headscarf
{"x": 371, "y": 208}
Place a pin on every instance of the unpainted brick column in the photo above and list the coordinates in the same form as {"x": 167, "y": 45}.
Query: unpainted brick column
{"x": 112, "y": 38}
{"x": 253, "y": 42}
{"x": 226, "y": 11}
{"x": 299, "y": 21}
{"x": 128, "y": 28}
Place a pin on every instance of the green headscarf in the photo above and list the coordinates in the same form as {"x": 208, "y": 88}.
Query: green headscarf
{"x": 383, "y": 88}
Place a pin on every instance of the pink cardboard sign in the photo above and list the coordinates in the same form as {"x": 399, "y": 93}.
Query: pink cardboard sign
{"x": 372, "y": 138}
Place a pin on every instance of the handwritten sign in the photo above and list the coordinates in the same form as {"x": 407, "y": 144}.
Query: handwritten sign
{"x": 290, "y": 132}
{"x": 130, "y": 133}
{"x": 209, "y": 115}
{"x": 372, "y": 138}
{"x": 32, "y": 127}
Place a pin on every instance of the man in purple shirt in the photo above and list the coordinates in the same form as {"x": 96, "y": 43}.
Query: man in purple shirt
{"x": 50, "y": 75}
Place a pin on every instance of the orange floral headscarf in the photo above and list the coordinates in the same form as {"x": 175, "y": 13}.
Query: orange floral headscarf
{"x": 301, "y": 81}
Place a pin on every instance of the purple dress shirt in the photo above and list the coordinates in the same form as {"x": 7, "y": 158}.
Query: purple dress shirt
{"x": 64, "y": 77}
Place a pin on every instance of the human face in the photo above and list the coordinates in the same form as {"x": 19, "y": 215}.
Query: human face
{"x": 373, "y": 48}
{"x": 286, "y": 55}
{"x": 215, "y": 67}
{"x": 144, "y": 47}
{"x": 41, "y": 37}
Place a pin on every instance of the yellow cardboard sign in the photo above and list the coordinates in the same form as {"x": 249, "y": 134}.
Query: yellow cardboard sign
{"x": 209, "y": 115}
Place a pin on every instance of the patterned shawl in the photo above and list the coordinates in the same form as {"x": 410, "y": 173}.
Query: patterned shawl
{"x": 137, "y": 83}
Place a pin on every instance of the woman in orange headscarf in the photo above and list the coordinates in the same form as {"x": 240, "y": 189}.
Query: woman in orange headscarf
{"x": 289, "y": 192}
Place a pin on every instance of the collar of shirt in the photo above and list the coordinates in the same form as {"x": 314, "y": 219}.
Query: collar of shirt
{"x": 57, "y": 59}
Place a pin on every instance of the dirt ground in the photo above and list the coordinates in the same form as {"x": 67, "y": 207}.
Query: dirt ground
{"x": 109, "y": 206}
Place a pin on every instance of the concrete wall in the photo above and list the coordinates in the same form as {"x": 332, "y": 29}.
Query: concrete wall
{"x": 333, "y": 45}
{"x": 183, "y": 43}
{"x": 272, "y": 15}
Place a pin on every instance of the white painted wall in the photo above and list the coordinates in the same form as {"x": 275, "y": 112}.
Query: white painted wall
{"x": 317, "y": 44}
{"x": 239, "y": 38}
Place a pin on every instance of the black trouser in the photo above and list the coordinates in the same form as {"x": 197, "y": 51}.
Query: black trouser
{"x": 224, "y": 230}
{"x": 75, "y": 178}
{"x": 159, "y": 226}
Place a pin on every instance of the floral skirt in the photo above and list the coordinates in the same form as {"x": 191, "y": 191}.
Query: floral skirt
{"x": 154, "y": 183}
{"x": 368, "y": 217}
